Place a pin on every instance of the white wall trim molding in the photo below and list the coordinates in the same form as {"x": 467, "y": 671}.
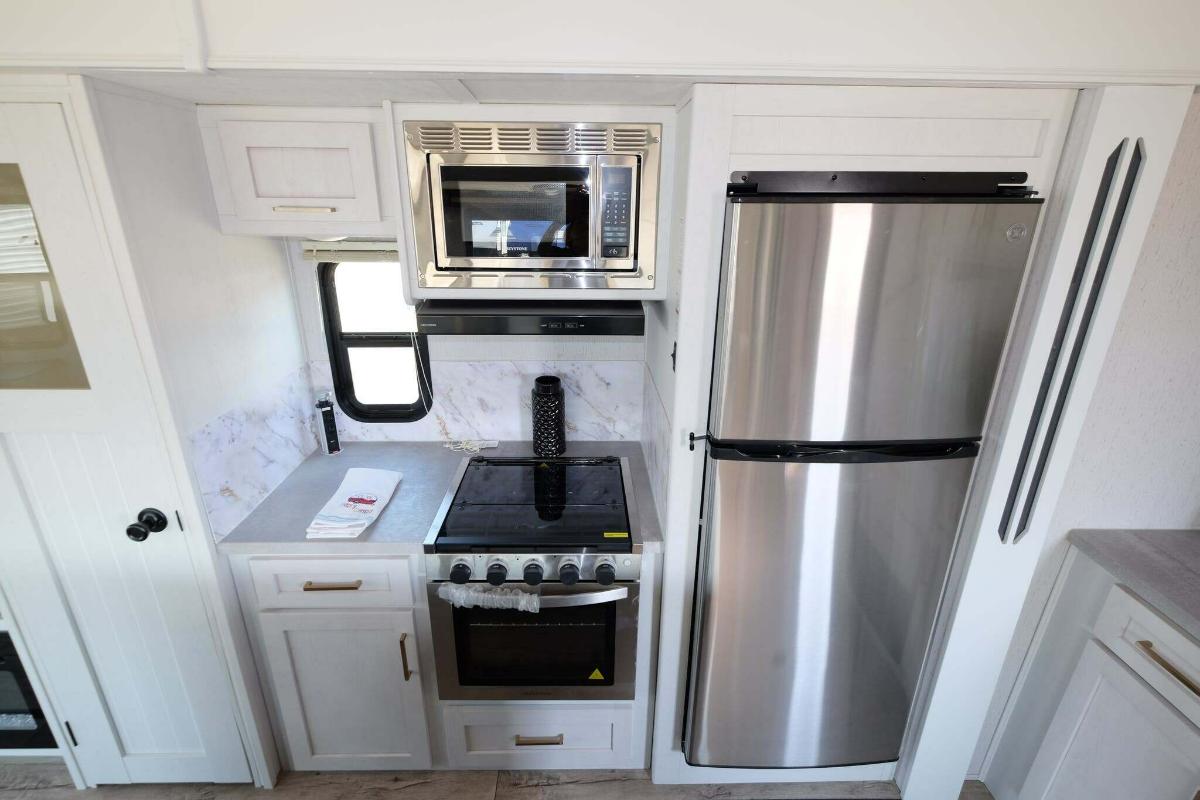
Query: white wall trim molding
{"x": 889, "y": 75}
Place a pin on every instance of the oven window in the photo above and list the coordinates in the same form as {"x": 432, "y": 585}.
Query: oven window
{"x": 516, "y": 212}
{"x": 554, "y": 647}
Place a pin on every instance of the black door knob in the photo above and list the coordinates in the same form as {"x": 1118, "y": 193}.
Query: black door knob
{"x": 605, "y": 574}
{"x": 150, "y": 520}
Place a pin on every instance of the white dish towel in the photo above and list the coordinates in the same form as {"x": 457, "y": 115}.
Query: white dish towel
{"x": 356, "y": 504}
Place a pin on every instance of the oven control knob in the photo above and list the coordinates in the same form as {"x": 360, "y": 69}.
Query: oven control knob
{"x": 606, "y": 573}
{"x": 497, "y": 573}
{"x": 568, "y": 573}
{"x": 460, "y": 572}
{"x": 533, "y": 573}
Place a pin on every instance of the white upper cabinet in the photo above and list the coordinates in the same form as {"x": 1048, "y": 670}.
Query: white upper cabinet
{"x": 299, "y": 172}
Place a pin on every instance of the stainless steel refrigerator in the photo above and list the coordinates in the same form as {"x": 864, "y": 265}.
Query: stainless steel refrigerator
{"x": 858, "y": 338}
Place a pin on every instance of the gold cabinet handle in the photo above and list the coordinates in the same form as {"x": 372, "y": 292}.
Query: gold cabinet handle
{"x": 1147, "y": 647}
{"x": 343, "y": 586}
{"x": 534, "y": 741}
{"x": 306, "y": 209}
{"x": 408, "y": 673}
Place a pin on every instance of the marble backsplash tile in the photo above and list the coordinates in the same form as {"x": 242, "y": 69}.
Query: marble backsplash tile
{"x": 656, "y": 441}
{"x": 490, "y": 400}
{"x": 241, "y": 456}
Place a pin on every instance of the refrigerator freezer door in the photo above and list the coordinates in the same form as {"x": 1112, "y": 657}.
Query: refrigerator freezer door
{"x": 864, "y": 321}
{"x": 815, "y": 601}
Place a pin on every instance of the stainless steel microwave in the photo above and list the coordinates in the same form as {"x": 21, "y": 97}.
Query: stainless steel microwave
{"x": 533, "y": 205}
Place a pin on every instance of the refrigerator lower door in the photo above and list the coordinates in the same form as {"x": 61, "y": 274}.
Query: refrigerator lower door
{"x": 817, "y": 593}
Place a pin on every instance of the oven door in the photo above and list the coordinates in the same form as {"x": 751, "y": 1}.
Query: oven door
{"x": 581, "y": 645}
{"x": 512, "y": 212}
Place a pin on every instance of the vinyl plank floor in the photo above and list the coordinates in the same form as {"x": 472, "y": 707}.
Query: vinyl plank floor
{"x": 625, "y": 785}
{"x": 51, "y": 782}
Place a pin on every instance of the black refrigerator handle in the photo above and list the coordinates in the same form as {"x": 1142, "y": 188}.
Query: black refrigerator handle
{"x": 841, "y": 452}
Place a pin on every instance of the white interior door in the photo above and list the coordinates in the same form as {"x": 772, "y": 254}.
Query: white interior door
{"x": 83, "y": 453}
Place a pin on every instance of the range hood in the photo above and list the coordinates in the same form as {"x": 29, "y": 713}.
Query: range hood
{"x": 531, "y": 317}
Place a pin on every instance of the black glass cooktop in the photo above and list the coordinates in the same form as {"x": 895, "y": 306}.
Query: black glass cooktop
{"x": 530, "y": 504}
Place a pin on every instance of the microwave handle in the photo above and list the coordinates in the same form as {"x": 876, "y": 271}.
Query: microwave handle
{"x": 584, "y": 598}
{"x": 596, "y": 209}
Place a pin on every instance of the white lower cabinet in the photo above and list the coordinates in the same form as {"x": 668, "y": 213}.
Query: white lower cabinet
{"x": 348, "y": 688}
{"x": 1113, "y": 737}
{"x": 529, "y": 736}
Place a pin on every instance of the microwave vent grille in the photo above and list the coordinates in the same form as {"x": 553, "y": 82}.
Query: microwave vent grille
{"x": 591, "y": 140}
{"x": 436, "y": 137}
{"x": 553, "y": 140}
{"x": 630, "y": 139}
{"x": 514, "y": 140}
{"x": 476, "y": 140}
{"x": 517, "y": 138}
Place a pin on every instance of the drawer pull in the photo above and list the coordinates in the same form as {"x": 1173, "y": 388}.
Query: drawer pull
{"x": 408, "y": 673}
{"x": 342, "y": 586}
{"x": 306, "y": 209}
{"x": 534, "y": 741}
{"x": 1148, "y": 648}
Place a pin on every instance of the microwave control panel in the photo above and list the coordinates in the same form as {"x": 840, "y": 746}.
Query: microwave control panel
{"x": 617, "y": 211}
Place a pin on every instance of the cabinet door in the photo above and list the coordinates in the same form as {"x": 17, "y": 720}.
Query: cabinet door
{"x": 348, "y": 688}
{"x": 307, "y": 171}
{"x": 1113, "y": 738}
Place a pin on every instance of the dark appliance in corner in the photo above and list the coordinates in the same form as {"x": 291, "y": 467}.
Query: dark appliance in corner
{"x": 23, "y": 726}
{"x": 860, "y": 324}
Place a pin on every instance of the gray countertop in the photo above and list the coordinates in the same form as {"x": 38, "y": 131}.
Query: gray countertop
{"x": 278, "y": 525}
{"x": 1160, "y": 566}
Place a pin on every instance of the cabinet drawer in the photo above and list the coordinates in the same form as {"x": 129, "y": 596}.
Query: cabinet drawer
{"x": 307, "y": 171}
{"x": 332, "y": 582}
{"x": 535, "y": 737}
{"x": 1164, "y": 656}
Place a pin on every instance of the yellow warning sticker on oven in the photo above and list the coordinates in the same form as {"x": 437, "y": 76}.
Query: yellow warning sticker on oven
{"x": 596, "y": 675}
{"x": 616, "y": 534}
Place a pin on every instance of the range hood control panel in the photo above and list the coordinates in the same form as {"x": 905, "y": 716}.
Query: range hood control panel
{"x": 530, "y": 318}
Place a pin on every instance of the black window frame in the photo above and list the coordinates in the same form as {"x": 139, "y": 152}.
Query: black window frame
{"x": 339, "y": 343}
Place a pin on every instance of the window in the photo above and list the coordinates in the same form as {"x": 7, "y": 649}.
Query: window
{"x": 380, "y": 363}
{"x": 37, "y": 348}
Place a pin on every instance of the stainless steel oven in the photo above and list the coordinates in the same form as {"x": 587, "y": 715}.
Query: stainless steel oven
{"x": 581, "y": 645}
{"x": 528, "y": 205}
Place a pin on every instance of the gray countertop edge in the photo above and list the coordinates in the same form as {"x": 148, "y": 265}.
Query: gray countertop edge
{"x": 277, "y": 525}
{"x": 1161, "y": 566}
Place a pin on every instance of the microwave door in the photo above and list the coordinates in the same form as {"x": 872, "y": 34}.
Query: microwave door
{"x": 496, "y": 212}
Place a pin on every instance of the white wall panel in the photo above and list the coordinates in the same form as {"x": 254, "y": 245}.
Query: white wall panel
{"x": 932, "y": 38}
{"x": 1136, "y": 464}
{"x": 127, "y": 33}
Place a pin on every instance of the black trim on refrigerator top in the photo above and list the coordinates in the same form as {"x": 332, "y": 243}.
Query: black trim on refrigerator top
{"x": 842, "y": 452}
{"x": 1060, "y": 334}
{"x": 912, "y": 185}
{"x": 1081, "y": 335}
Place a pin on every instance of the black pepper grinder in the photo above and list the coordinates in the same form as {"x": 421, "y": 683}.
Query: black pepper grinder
{"x": 549, "y": 418}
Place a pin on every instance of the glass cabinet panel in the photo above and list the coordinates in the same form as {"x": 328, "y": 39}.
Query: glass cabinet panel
{"x": 37, "y": 348}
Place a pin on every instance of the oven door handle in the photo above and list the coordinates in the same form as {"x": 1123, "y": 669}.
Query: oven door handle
{"x": 584, "y": 598}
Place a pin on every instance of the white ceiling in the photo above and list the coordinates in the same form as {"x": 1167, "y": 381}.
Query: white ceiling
{"x": 262, "y": 87}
